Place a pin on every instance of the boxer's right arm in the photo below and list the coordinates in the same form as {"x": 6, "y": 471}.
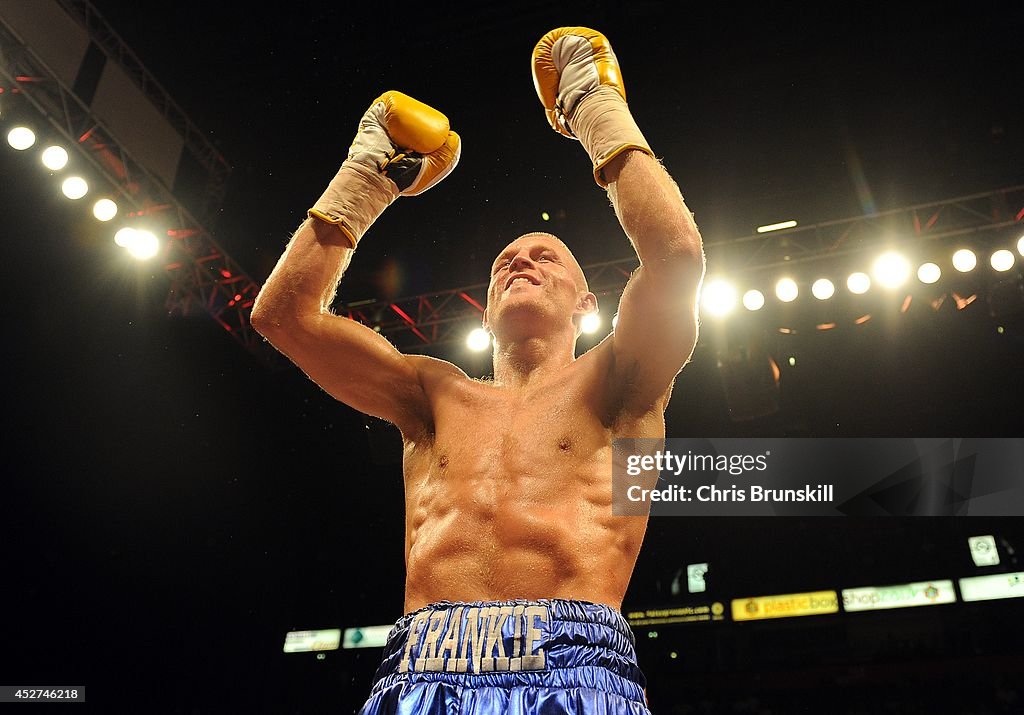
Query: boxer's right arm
{"x": 347, "y": 359}
{"x": 403, "y": 148}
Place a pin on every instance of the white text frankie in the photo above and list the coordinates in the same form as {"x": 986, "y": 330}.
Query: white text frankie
{"x": 476, "y": 639}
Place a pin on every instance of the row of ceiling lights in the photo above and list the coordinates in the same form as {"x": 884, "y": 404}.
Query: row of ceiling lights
{"x": 138, "y": 242}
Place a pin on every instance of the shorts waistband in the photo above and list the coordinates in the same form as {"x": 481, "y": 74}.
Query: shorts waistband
{"x": 555, "y": 642}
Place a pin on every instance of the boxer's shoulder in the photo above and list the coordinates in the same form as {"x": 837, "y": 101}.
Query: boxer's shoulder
{"x": 432, "y": 369}
{"x": 441, "y": 379}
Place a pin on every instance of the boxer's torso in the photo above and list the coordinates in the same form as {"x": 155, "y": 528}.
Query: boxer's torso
{"x": 509, "y": 495}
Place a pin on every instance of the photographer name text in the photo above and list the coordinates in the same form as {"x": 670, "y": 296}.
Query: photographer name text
{"x": 734, "y": 464}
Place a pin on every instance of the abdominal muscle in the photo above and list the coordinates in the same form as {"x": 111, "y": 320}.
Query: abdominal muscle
{"x": 497, "y": 529}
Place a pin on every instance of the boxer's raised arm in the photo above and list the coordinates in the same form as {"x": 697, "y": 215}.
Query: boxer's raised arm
{"x": 657, "y": 326}
{"x": 403, "y": 147}
{"x": 579, "y": 82}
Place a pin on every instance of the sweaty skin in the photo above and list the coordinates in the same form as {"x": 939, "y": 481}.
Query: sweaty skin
{"x": 508, "y": 482}
{"x": 510, "y": 495}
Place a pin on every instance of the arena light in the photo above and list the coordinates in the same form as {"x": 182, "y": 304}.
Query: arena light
{"x": 124, "y": 236}
{"x": 21, "y": 138}
{"x": 478, "y": 340}
{"x": 55, "y": 158}
{"x": 929, "y": 273}
{"x": 964, "y": 260}
{"x": 104, "y": 209}
{"x": 776, "y": 226}
{"x": 858, "y": 283}
{"x": 718, "y": 297}
{"x": 143, "y": 244}
{"x": 753, "y": 299}
{"x": 1002, "y": 260}
{"x": 590, "y": 323}
{"x": 891, "y": 269}
{"x": 139, "y": 243}
{"x": 1020, "y": 245}
{"x": 823, "y": 289}
{"x": 786, "y": 290}
{"x": 74, "y": 187}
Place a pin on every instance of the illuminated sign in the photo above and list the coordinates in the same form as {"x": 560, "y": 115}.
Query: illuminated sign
{"x": 367, "y": 636}
{"x": 983, "y": 550}
{"x": 757, "y": 608}
{"x": 695, "y": 582}
{"x": 304, "y": 641}
{"x": 874, "y": 598}
{"x": 989, "y": 588}
{"x": 677, "y": 614}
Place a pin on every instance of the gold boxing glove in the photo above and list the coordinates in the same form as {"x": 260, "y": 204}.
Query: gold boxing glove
{"x": 402, "y": 148}
{"x": 577, "y": 78}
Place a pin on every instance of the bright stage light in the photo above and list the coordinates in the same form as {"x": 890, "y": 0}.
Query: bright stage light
{"x": 124, "y": 237}
{"x": 74, "y": 187}
{"x": 964, "y": 260}
{"x": 590, "y": 322}
{"x": 718, "y": 297}
{"x": 858, "y": 283}
{"x": 145, "y": 245}
{"x": 141, "y": 244}
{"x": 891, "y": 269}
{"x": 478, "y": 340}
{"x": 21, "y": 138}
{"x": 929, "y": 273}
{"x": 776, "y": 226}
{"x": 1020, "y": 245}
{"x": 55, "y": 158}
{"x": 786, "y": 290}
{"x": 1002, "y": 260}
{"x": 104, "y": 209}
{"x": 823, "y": 289}
{"x": 753, "y": 299}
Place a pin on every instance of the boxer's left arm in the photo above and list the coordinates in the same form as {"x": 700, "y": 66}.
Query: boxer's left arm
{"x": 657, "y": 326}
{"x": 579, "y": 82}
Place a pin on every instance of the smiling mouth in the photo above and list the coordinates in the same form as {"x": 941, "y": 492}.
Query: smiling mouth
{"x": 519, "y": 279}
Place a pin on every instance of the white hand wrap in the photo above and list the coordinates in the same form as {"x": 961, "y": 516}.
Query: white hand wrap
{"x": 577, "y": 78}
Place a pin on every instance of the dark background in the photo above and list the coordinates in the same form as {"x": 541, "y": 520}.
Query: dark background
{"x": 174, "y": 508}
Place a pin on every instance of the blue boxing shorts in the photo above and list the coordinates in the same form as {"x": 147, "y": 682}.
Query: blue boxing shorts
{"x": 517, "y": 657}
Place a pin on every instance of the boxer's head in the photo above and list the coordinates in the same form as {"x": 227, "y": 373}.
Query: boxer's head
{"x": 536, "y": 286}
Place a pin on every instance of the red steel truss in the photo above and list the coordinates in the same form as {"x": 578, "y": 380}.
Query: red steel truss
{"x": 421, "y": 322}
{"x": 204, "y": 278}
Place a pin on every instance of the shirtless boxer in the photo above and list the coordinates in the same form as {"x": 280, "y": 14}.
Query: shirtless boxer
{"x": 516, "y": 566}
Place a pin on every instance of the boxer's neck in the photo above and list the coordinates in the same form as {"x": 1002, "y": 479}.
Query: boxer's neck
{"x": 523, "y": 362}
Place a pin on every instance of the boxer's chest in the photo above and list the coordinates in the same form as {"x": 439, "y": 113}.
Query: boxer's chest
{"x": 485, "y": 424}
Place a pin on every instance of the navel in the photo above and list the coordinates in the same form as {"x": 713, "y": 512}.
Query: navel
{"x": 564, "y": 444}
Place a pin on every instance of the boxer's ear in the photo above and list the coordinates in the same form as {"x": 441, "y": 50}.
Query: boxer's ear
{"x": 586, "y": 302}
